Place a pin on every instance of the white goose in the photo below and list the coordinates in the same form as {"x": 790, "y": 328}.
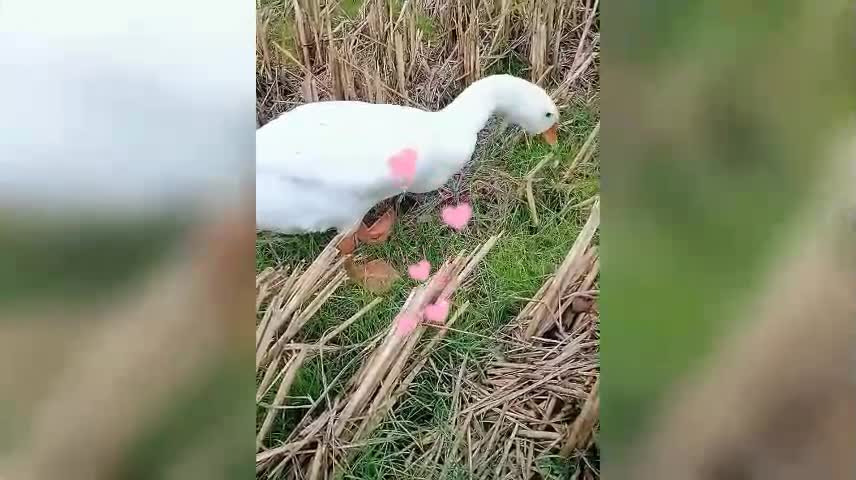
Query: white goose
{"x": 324, "y": 165}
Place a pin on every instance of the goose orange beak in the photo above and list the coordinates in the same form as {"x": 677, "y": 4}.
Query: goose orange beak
{"x": 551, "y": 135}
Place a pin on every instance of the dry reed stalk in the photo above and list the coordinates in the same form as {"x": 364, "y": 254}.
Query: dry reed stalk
{"x": 336, "y": 75}
{"x": 501, "y": 30}
{"x": 467, "y": 267}
{"x": 462, "y": 428}
{"x": 383, "y": 402}
{"x": 538, "y": 48}
{"x": 530, "y": 195}
{"x": 585, "y": 153}
{"x": 589, "y": 19}
{"x": 268, "y": 378}
{"x": 580, "y": 432}
{"x": 399, "y": 64}
{"x": 538, "y": 315}
{"x": 264, "y": 59}
{"x": 502, "y": 461}
{"x": 584, "y": 203}
{"x": 291, "y": 369}
{"x": 300, "y": 23}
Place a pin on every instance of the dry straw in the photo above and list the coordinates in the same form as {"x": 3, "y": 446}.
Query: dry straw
{"x": 321, "y": 443}
{"x": 419, "y": 52}
{"x": 539, "y": 397}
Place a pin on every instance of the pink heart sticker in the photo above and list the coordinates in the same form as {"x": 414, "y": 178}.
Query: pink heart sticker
{"x": 405, "y": 324}
{"x": 420, "y": 271}
{"x": 458, "y": 216}
{"x": 437, "y": 312}
{"x": 402, "y": 165}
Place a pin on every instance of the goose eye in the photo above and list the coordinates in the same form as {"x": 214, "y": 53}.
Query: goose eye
{"x": 549, "y": 115}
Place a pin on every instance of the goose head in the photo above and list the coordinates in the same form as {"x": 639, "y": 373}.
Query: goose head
{"x": 528, "y": 106}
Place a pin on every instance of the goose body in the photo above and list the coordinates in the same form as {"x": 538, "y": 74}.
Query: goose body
{"x": 324, "y": 165}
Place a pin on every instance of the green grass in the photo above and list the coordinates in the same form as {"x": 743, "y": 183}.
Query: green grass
{"x": 511, "y": 64}
{"x": 427, "y": 26}
{"x": 350, "y": 8}
{"x": 512, "y": 272}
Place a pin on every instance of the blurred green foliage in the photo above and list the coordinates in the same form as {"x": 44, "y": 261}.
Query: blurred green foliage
{"x": 715, "y": 117}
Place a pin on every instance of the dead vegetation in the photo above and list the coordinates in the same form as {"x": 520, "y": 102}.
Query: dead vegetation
{"x": 322, "y": 442}
{"x": 419, "y": 52}
{"x": 538, "y": 399}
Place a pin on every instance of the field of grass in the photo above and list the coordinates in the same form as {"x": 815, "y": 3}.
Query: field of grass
{"x": 537, "y": 234}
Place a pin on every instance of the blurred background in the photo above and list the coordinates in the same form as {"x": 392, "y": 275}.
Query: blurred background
{"x": 728, "y": 331}
{"x": 126, "y": 150}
